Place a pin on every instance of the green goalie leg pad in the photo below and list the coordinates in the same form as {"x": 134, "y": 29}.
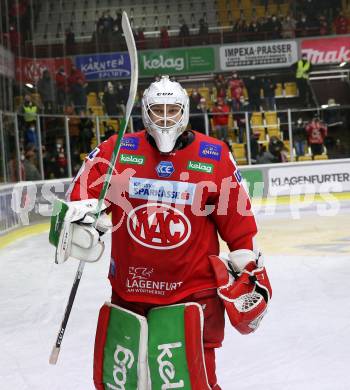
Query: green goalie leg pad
{"x": 120, "y": 357}
{"x": 175, "y": 347}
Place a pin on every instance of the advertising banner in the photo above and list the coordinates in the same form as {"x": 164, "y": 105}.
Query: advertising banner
{"x": 308, "y": 179}
{"x": 327, "y": 50}
{"x": 261, "y": 55}
{"x": 29, "y": 70}
{"x": 7, "y": 64}
{"x": 254, "y": 182}
{"x": 104, "y": 66}
{"x": 177, "y": 61}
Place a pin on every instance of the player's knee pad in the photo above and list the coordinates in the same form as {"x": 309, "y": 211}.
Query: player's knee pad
{"x": 161, "y": 352}
{"x": 175, "y": 347}
{"x": 120, "y": 357}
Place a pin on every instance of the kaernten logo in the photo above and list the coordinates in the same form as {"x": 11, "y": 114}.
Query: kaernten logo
{"x": 158, "y": 226}
{"x": 129, "y": 143}
{"x": 208, "y": 150}
{"x": 165, "y": 169}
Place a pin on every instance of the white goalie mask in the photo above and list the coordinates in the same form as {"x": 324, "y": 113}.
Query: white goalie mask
{"x": 165, "y": 112}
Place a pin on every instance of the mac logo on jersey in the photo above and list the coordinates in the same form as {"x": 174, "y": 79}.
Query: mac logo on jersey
{"x": 165, "y": 169}
{"x": 158, "y": 226}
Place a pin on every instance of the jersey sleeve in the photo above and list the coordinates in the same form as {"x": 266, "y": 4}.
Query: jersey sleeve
{"x": 89, "y": 180}
{"x": 232, "y": 214}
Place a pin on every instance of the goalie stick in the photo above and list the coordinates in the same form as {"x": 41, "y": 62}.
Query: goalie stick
{"x": 132, "y": 94}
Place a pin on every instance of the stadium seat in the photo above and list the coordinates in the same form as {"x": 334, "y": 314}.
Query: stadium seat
{"x": 239, "y": 153}
{"x": 279, "y": 90}
{"x": 92, "y": 99}
{"x": 257, "y": 125}
{"x": 305, "y": 158}
{"x": 321, "y": 157}
{"x": 290, "y": 90}
{"x": 204, "y": 92}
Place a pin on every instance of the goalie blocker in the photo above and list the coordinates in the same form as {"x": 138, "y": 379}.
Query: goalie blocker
{"x": 162, "y": 351}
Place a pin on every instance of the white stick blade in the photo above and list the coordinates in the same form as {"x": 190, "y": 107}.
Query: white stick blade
{"x": 54, "y": 355}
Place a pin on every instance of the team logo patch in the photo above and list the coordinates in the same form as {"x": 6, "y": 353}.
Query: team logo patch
{"x": 132, "y": 159}
{"x": 165, "y": 169}
{"x": 177, "y": 192}
{"x": 208, "y": 150}
{"x": 158, "y": 226}
{"x": 93, "y": 154}
{"x": 200, "y": 166}
{"x": 238, "y": 175}
{"x": 130, "y": 143}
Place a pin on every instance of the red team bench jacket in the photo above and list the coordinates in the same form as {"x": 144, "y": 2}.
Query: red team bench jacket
{"x": 166, "y": 212}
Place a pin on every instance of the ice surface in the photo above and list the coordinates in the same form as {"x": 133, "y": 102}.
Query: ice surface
{"x": 302, "y": 344}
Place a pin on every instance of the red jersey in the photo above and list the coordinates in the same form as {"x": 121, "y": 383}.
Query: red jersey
{"x": 316, "y": 132}
{"x": 220, "y": 120}
{"x": 236, "y": 86}
{"x": 167, "y": 211}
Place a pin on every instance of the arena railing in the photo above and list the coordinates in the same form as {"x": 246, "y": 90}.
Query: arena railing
{"x": 58, "y": 147}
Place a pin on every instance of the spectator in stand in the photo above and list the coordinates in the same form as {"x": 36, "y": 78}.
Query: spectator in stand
{"x": 236, "y": 86}
{"x": 220, "y": 114}
{"x": 316, "y": 133}
{"x": 240, "y": 130}
{"x": 164, "y": 38}
{"x": 74, "y": 129}
{"x": 140, "y": 39}
{"x": 116, "y": 36}
{"x": 269, "y": 86}
{"x": 299, "y": 138}
{"x": 254, "y": 29}
{"x": 220, "y": 85}
{"x": 323, "y": 25}
{"x": 302, "y": 69}
{"x": 265, "y": 156}
{"x": 341, "y": 24}
{"x": 253, "y": 87}
{"x": 31, "y": 171}
{"x": 77, "y": 84}
{"x": 197, "y": 120}
{"x": 288, "y": 27}
{"x": 70, "y": 39}
{"x": 108, "y": 21}
{"x": 240, "y": 27}
{"x": 123, "y": 94}
{"x": 302, "y": 27}
{"x": 30, "y": 135}
{"x": 194, "y": 99}
{"x": 137, "y": 113}
{"x": 86, "y": 133}
{"x": 110, "y": 100}
{"x": 184, "y": 30}
{"x": 309, "y": 7}
{"x": 203, "y": 31}
{"x": 277, "y": 149}
{"x": 276, "y": 28}
{"x": 47, "y": 92}
{"x": 29, "y": 112}
{"x": 117, "y": 21}
{"x": 61, "y": 89}
{"x": 254, "y": 147}
{"x": 61, "y": 160}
